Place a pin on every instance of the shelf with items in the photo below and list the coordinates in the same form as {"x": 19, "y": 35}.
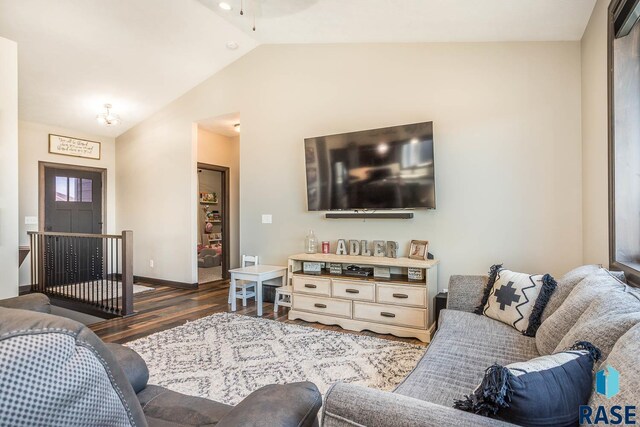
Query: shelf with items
{"x": 208, "y": 198}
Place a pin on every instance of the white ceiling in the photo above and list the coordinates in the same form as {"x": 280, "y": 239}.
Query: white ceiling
{"x": 139, "y": 55}
{"x": 395, "y": 21}
{"x": 223, "y": 125}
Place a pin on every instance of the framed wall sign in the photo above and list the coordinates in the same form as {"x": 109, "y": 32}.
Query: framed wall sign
{"x": 67, "y": 146}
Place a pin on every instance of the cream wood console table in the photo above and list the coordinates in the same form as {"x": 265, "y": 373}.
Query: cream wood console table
{"x": 396, "y": 305}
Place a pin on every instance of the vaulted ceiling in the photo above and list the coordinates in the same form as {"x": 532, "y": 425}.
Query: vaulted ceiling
{"x": 139, "y": 55}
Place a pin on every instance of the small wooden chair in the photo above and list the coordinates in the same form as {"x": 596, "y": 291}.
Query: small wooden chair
{"x": 283, "y": 297}
{"x": 245, "y": 289}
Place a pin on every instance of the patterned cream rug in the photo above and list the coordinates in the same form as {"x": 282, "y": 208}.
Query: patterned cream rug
{"x": 226, "y": 356}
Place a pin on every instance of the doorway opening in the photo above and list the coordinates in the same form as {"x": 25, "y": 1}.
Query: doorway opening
{"x": 213, "y": 223}
{"x": 72, "y": 200}
{"x": 218, "y": 170}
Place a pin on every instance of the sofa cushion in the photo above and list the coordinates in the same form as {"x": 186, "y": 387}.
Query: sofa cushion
{"x": 518, "y": 299}
{"x": 32, "y": 302}
{"x": 562, "y": 320}
{"x": 543, "y": 392}
{"x": 53, "y": 370}
{"x": 565, "y": 285}
{"x": 164, "y": 407}
{"x": 607, "y": 319}
{"x": 132, "y": 364}
{"x": 456, "y": 358}
{"x": 624, "y": 358}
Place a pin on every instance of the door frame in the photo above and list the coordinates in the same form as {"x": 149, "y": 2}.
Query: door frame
{"x": 224, "y": 206}
{"x": 42, "y": 166}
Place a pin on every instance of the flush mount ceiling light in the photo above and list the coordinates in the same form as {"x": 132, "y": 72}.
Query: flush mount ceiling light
{"x": 231, "y": 45}
{"x": 236, "y": 127}
{"x": 224, "y": 5}
{"x": 107, "y": 118}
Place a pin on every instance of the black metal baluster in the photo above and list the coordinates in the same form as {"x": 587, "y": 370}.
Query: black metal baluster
{"x": 76, "y": 266}
{"x": 115, "y": 302}
{"x": 112, "y": 278}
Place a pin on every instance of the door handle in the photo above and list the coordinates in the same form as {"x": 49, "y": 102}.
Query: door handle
{"x": 400, "y": 296}
{"x": 320, "y": 305}
{"x": 352, "y": 291}
{"x": 387, "y": 314}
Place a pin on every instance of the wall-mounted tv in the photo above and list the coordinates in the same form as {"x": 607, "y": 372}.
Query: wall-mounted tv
{"x": 386, "y": 168}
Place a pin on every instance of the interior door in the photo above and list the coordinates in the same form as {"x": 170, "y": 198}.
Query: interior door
{"x": 72, "y": 204}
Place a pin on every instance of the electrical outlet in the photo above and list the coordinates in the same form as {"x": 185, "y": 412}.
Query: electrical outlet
{"x": 31, "y": 220}
{"x": 267, "y": 219}
{"x": 151, "y": 263}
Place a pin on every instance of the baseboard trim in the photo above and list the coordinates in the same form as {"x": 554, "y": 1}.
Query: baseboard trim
{"x": 24, "y": 289}
{"x": 162, "y": 282}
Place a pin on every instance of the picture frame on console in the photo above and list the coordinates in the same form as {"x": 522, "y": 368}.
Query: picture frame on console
{"x": 419, "y": 249}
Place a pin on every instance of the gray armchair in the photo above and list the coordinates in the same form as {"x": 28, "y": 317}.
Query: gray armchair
{"x": 116, "y": 377}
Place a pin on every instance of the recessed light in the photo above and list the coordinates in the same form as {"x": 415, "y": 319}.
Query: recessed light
{"x": 224, "y": 5}
{"x": 232, "y": 45}
{"x": 383, "y": 147}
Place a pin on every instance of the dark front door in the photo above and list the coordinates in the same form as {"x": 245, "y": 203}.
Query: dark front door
{"x": 72, "y": 204}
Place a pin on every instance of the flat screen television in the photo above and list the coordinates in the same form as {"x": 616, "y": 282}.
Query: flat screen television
{"x": 386, "y": 168}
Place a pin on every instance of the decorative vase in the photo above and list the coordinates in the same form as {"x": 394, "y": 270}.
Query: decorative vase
{"x": 311, "y": 243}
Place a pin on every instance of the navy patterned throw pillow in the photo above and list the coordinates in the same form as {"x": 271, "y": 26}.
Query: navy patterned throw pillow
{"x": 517, "y": 299}
{"x": 545, "y": 391}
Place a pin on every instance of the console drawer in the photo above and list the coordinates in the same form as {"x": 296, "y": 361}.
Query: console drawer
{"x": 328, "y": 306}
{"x": 312, "y": 285}
{"x": 412, "y": 296}
{"x": 353, "y": 290}
{"x": 391, "y": 315}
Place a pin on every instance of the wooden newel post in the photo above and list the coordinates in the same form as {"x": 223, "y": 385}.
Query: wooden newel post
{"x": 127, "y": 272}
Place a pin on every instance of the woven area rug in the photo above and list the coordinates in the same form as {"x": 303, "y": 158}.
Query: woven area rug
{"x": 226, "y": 356}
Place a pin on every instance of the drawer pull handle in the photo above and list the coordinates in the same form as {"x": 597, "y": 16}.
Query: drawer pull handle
{"x": 400, "y": 296}
{"x": 320, "y": 305}
{"x": 352, "y": 291}
{"x": 308, "y": 285}
{"x": 386, "y": 314}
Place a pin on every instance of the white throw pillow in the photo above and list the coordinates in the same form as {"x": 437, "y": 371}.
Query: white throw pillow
{"x": 517, "y": 299}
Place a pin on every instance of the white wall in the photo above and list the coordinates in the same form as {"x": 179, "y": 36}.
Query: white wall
{"x": 220, "y": 150}
{"x": 595, "y": 214}
{"x": 8, "y": 168}
{"x": 33, "y": 148}
{"x": 507, "y": 141}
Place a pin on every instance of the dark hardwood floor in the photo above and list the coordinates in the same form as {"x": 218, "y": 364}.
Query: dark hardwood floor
{"x": 165, "y": 308}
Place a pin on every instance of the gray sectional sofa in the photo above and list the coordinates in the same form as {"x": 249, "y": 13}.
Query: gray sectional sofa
{"x": 57, "y": 372}
{"x": 466, "y": 344}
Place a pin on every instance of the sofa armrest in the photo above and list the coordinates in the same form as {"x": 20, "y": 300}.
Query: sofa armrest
{"x": 352, "y": 405}
{"x": 465, "y": 292}
{"x": 132, "y": 364}
{"x": 31, "y": 302}
{"x": 288, "y": 405}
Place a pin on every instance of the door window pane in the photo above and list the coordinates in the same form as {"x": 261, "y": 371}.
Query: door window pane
{"x": 61, "y": 189}
{"x": 87, "y": 190}
{"x": 74, "y": 189}
{"x": 627, "y": 148}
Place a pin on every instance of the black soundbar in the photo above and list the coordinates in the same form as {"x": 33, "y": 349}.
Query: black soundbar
{"x": 373, "y": 215}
